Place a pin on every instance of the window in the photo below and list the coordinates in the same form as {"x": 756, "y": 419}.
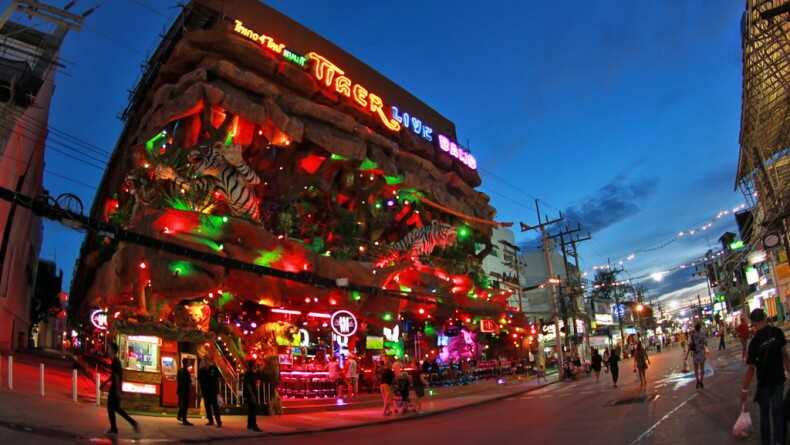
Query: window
{"x": 140, "y": 352}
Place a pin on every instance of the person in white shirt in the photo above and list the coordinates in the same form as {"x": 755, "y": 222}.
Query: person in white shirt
{"x": 352, "y": 375}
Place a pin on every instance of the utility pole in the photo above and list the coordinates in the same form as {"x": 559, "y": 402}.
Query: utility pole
{"x": 549, "y": 275}
{"x": 580, "y": 291}
{"x": 571, "y": 303}
{"x": 617, "y": 303}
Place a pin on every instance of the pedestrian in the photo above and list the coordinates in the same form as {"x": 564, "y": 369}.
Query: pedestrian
{"x": 114, "y": 394}
{"x": 606, "y": 360}
{"x": 722, "y": 333}
{"x": 419, "y": 381}
{"x": 183, "y": 385}
{"x": 387, "y": 379}
{"x": 614, "y": 365}
{"x": 595, "y": 364}
{"x": 403, "y": 384}
{"x": 697, "y": 345}
{"x": 333, "y": 374}
{"x": 767, "y": 357}
{"x": 743, "y": 335}
{"x": 249, "y": 379}
{"x": 352, "y": 376}
{"x": 208, "y": 380}
{"x": 641, "y": 361}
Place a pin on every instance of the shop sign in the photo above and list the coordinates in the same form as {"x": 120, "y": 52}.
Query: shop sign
{"x": 344, "y": 323}
{"x": 99, "y": 319}
{"x": 604, "y": 319}
{"x": 139, "y": 388}
{"x": 414, "y": 123}
{"x": 374, "y": 342}
{"x": 487, "y": 326}
{"x": 392, "y": 334}
{"x": 334, "y": 77}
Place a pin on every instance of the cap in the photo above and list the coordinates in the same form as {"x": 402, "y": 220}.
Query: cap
{"x": 757, "y": 315}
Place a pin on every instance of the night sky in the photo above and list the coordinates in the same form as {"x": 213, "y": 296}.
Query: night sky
{"x": 624, "y": 115}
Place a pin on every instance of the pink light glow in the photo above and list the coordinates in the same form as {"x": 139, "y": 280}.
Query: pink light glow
{"x": 318, "y": 315}
{"x": 286, "y": 311}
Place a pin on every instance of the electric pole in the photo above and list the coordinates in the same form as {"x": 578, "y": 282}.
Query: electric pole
{"x": 549, "y": 275}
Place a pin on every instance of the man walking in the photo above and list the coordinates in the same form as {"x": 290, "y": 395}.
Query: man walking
{"x": 114, "y": 395}
{"x": 184, "y": 383}
{"x": 768, "y": 359}
{"x": 352, "y": 376}
{"x": 697, "y": 345}
{"x": 208, "y": 379}
{"x": 249, "y": 379}
{"x": 722, "y": 333}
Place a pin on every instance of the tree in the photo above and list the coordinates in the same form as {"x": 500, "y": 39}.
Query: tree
{"x": 604, "y": 286}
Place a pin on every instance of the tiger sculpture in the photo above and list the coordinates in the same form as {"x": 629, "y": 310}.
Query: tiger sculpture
{"x": 420, "y": 241}
{"x": 219, "y": 167}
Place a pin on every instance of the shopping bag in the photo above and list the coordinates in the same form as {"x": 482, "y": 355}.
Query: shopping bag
{"x": 743, "y": 426}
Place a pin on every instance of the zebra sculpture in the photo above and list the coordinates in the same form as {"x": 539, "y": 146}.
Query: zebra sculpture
{"x": 420, "y": 241}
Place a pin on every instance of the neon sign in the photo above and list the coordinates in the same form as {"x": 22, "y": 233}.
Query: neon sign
{"x": 415, "y": 124}
{"x": 332, "y": 76}
{"x": 99, "y": 319}
{"x": 450, "y": 147}
{"x": 344, "y": 323}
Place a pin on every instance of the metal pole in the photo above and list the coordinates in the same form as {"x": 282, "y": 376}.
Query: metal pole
{"x": 98, "y": 389}
{"x": 74, "y": 384}
{"x": 10, "y": 372}
{"x": 41, "y": 375}
{"x": 550, "y": 274}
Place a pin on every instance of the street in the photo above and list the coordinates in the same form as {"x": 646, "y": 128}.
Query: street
{"x": 671, "y": 411}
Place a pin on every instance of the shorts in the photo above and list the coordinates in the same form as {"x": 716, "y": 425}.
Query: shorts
{"x": 699, "y": 357}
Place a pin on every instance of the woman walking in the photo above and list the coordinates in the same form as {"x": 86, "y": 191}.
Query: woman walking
{"x": 641, "y": 361}
{"x": 614, "y": 365}
{"x": 697, "y": 345}
{"x": 595, "y": 364}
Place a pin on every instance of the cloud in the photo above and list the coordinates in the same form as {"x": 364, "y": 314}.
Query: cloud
{"x": 612, "y": 203}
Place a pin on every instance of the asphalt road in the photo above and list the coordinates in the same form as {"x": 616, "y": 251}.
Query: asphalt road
{"x": 670, "y": 411}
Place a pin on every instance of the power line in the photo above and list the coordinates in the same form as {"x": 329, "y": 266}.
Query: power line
{"x": 64, "y": 177}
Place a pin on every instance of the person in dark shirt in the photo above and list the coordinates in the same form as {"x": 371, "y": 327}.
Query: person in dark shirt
{"x": 768, "y": 359}
{"x": 614, "y": 365}
{"x": 387, "y": 379}
{"x": 249, "y": 379}
{"x": 184, "y": 381}
{"x": 114, "y": 395}
{"x": 208, "y": 380}
{"x": 595, "y": 364}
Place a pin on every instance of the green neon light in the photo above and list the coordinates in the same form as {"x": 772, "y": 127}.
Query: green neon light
{"x": 211, "y": 225}
{"x": 405, "y": 288}
{"x": 267, "y": 257}
{"x": 178, "y": 204}
{"x": 367, "y": 164}
{"x": 355, "y": 295}
{"x": 735, "y": 245}
{"x": 386, "y": 316}
{"x": 393, "y": 180}
{"x": 213, "y": 245}
{"x": 429, "y": 330}
{"x": 153, "y": 142}
{"x": 296, "y": 59}
{"x": 463, "y": 232}
{"x": 337, "y": 157}
{"x": 181, "y": 268}
{"x": 224, "y": 298}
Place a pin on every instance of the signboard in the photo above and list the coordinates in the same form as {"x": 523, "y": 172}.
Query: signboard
{"x": 98, "y": 319}
{"x": 487, "y": 326}
{"x": 374, "y": 342}
{"x": 344, "y": 323}
{"x": 332, "y": 73}
{"x": 604, "y": 319}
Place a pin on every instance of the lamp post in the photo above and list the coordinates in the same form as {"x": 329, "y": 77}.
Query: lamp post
{"x": 639, "y": 308}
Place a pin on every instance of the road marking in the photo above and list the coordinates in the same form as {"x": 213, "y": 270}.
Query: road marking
{"x": 650, "y": 430}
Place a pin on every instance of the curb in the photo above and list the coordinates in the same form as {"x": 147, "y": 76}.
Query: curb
{"x": 56, "y": 433}
{"x": 360, "y": 425}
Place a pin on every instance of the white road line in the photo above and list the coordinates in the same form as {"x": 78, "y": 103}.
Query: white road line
{"x": 650, "y": 430}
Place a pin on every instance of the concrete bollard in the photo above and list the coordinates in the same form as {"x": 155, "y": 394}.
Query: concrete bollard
{"x": 74, "y": 384}
{"x": 10, "y": 372}
{"x": 41, "y": 375}
{"x": 98, "y": 389}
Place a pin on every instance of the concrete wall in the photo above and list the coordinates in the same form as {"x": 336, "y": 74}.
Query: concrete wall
{"x": 21, "y": 162}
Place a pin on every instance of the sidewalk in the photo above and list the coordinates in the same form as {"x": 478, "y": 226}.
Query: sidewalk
{"x": 57, "y": 418}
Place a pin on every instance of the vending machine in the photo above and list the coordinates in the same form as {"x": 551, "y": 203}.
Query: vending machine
{"x": 169, "y": 354}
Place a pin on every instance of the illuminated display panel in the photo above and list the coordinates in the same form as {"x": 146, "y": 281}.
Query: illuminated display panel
{"x": 140, "y": 352}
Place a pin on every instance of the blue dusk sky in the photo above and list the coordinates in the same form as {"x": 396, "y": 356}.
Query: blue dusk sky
{"x": 625, "y": 115}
